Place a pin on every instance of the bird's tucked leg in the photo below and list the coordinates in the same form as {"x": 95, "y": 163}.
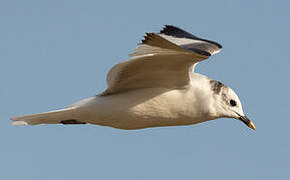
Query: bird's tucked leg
{"x": 72, "y": 121}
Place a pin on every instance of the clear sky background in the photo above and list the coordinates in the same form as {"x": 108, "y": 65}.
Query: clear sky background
{"x": 56, "y": 52}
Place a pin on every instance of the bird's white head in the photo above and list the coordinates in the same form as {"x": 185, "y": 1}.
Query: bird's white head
{"x": 227, "y": 104}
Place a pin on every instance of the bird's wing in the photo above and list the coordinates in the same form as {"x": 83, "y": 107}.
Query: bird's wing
{"x": 190, "y": 42}
{"x": 161, "y": 60}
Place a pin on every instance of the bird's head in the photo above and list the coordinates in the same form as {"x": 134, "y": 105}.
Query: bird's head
{"x": 227, "y": 104}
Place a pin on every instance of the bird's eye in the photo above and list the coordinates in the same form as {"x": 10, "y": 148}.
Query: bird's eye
{"x": 233, "y": 102}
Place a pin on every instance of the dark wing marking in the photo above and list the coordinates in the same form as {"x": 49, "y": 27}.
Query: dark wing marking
{"x": 189, "y": 42}
{"x": 179, "y": 33}
{"x": 176, "y": 32}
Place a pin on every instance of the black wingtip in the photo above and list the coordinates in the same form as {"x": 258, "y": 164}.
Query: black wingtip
{"x": 167, "y": 28}
{"x": 174, "y": 31}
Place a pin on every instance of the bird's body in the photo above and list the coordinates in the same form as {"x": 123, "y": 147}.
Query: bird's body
{"x": 157, "y": 87}
{"x": 150, "y": 107}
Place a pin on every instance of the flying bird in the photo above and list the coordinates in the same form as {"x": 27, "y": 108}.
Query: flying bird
{"x": 156, "y": 87}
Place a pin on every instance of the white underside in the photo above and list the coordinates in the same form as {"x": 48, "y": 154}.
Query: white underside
{"x": 135, "y": 109}
{"x": 141, "y": 109}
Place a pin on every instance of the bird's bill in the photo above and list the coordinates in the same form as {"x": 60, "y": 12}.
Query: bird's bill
{"x": 248, "y": 122}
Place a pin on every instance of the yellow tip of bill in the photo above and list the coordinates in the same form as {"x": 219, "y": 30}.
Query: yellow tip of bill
{"x": 251, "y": 125}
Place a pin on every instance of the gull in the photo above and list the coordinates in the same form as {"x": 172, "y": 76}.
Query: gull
{"x": 156, "y": 87}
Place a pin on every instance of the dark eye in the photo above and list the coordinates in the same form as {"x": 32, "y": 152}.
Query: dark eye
{"x": 233, "y": 103}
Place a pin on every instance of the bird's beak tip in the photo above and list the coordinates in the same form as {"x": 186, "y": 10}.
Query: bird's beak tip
{"x": 251, "y": 125}
{"x": 247, "y": 121}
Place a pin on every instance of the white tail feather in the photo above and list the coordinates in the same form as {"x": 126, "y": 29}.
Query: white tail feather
{"x": 52, "y": 117}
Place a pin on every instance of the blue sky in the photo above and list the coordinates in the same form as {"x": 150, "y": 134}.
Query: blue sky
{"x": 56, "y": 52}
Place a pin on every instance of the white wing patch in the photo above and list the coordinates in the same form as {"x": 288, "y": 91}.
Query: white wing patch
{"x": 191, "y": 44}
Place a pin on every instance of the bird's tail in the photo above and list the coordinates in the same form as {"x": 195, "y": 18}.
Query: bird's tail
{"x": 64, "y": 116}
